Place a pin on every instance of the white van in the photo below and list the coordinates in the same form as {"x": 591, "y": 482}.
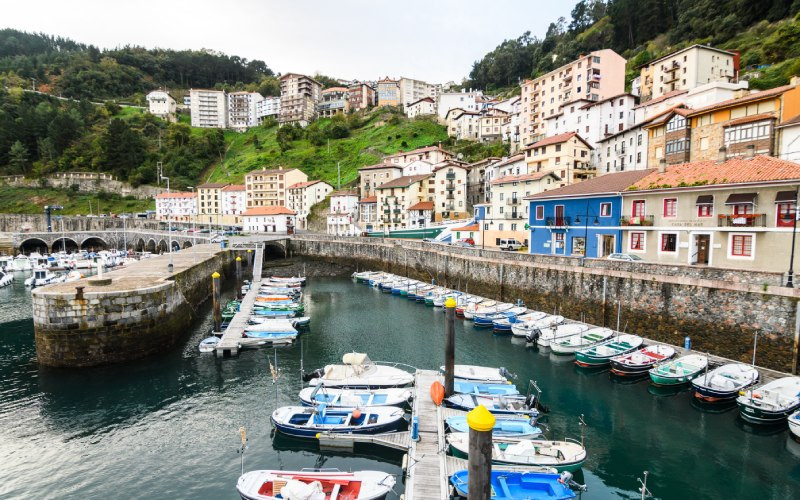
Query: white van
{"x": 510, "y": 244}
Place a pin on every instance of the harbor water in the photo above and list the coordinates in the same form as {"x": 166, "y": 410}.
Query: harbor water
{"x": 167, "y": 427}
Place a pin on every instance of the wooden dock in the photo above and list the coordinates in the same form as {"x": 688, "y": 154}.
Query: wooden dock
{"x": 396, "y": 440}
{"x": 232, "y": 340}
{"x": 426, "y": 467}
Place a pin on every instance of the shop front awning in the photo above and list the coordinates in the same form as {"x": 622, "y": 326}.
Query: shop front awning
{"x": 705, "y": 199}
{"x": 742, "y": 199}
{"x": 786, "y": 197}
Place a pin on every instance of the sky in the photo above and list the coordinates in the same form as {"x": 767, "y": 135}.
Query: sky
{"x": 432, "y": 40}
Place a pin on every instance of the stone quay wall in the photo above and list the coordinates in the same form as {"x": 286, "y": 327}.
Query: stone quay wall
{"x": 36, "y": 223}
{"x": 662, "y": 303}
{"x": 102, "y": 327}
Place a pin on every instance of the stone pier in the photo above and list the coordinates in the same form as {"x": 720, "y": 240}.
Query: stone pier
{"x": 130, "y": 313}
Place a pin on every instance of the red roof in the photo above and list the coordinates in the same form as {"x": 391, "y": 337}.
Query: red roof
{"x": 755, "y": 96}
{"x": 404, "y": 181}
{"x": 273, "y": 210}
{"x": 556, "y": 139}
{"x": 750, "y": 119}
{"x": 473, "y": 227}
{"x": 234, "y": 187}
{"x": 664, "y": 97}
{"x": 605, "y": 184}
{"x": 303, "y": 184}
{"x": 521, "y": 178}
{"x": 422, "y": 205}
{"x": 380, "y": 165}
{"x": 791, "y": 121}
{"x": 733, "y": 171}
{"x": 369, "y": 199}
{"x": 175, "y": 194}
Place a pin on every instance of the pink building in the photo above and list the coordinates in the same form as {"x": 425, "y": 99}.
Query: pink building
{"x": 595, "y": 76}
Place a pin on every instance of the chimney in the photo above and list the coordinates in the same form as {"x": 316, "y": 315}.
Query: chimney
{"x": 722, "y": 156}
{"x": 751, "y": 151}
{"x": 662, "y": 166}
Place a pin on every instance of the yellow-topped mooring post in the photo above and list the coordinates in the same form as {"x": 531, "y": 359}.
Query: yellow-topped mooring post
{"x": 215, "y": 297}
{"x": 250, "y": 261}
{"x": 238, "y": 278}
{"x": 449, "y": 345}
{"x": 481, "y": 422}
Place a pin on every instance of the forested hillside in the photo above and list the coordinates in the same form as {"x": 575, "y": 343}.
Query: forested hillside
{"x": 766, "y": 32}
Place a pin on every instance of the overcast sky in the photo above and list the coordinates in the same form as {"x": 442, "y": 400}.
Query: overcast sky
{"x": 433, "y": 40}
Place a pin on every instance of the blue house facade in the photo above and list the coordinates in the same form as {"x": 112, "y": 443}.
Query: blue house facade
{"x": 580, "y": 220}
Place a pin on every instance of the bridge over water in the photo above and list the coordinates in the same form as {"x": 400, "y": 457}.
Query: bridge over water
{"x": 139, "y": 240}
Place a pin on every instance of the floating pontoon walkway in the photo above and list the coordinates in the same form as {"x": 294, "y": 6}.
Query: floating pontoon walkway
{"x": 232, "y": 339}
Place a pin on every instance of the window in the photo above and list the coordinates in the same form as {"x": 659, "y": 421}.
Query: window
{"x": 513, "y": 227}
{"x": 670, "y": 207}
{"x": 677, "y": 146}
{"x": 578, "y": 245}
{"x": 637, "y": 208}
{"x": 539, "y": 212}
{"x": 743, "y": 209}
{"x": 748, "y": 132}
{"x": 677, "y": 122}
{"x": 705, "y": 210}
{"x": 639, "y": 157}
{"x": 605, "y": 210}
{"x": 669, "y": 242}
{"x": 637, "y": 241}
{"x": 785, "y": 215}
{"x": 639, "y": 140}
{"x": 741, "y": 245}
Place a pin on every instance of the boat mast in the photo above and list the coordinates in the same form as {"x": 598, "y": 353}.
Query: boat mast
{"x": 643, "y": 489}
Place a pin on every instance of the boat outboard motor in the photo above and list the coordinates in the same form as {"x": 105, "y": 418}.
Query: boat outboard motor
{"x": 319, "y": 372}
{"x": 533, "y": 335}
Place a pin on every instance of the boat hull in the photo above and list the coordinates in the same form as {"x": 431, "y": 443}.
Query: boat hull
{"x": 561, "y": 467}
{"x": 761, "y": 416}
{"x": 712, "y": 395}
{"x": 630, "y": 370}
{"x": 311, "y": 432}
{"x": 681, "y": 380}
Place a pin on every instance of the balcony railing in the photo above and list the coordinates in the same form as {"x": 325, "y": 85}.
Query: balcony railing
{"x": 450, "y": 175}
{"x": 450, "y": 196}
{"x": 742, "y": 220}
{"x": 636, "y": 220}
{"x": 556, "y": 222}
{"x": 512, "y": 201}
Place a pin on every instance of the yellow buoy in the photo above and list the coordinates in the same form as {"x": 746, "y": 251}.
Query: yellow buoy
{"x": 480, "y": 419}
{"x": 238, "y": 259}
{"x": 215, "y": 275}
{"x": 450, "y": 302}
{"x": 318, "y": 435}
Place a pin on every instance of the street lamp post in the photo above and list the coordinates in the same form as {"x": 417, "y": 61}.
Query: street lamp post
{"x": 585, "y": 233}
{"x": 194, "y": 221}
{"x": 790, "y": 277}
{"x": 170, "y": 266}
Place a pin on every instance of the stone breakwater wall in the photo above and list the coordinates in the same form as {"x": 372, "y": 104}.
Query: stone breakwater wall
{"x": 35, "y": 223}
{"x": 720, "y": 316}
{"x": 128, "y": 321}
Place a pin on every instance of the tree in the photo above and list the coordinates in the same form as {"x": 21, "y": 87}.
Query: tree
{"x": 18, "y": 158}
{"x": 122, "y": 149}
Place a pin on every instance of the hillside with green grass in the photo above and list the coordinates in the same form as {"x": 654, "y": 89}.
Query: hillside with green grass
{"x": 24, "y": 200}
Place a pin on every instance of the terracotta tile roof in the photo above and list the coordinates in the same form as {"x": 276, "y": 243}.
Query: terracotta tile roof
{"x": 522, "y": 178}
{"x": 473, "y": 227}
{"x": 668, "y": 95}
{"x": 334, "y": 89}
{"x": 273, "y": 210}
{"x": 449, "y": 164}
{"x": 422, "y": 205}
{"x": 750, "y": 119}
{"x": 510, "y": 160}
{"x": 601, "y": 101}
{"x": 404, "y": 181}
{"x": 176, "y": 194}
{"x": 344, "y": 192}
{"x": 733, "y": 171}
{"x": 211, "y": 185}
{"x": 664, "y": 116}
{"x": 556, "y": 139}
{"x": 426, "y": 99}
{"x": 755, "y": 96}
{"x": 420, "y": 150}
{"x": 369, "y": 199}
{"x": 380, "y": 165}
{"x": 605, "y": 184}
{"x": 270, "y": 171}
{"x": 234, "y": 187}
{"x": 305, "y": 184}
{"x": 791, "y": 121}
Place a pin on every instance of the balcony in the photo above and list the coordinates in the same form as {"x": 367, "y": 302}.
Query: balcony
{"x": 742, "y": 220}
{"x": 397, "y": 210}
{"x": 396, "y": 221}
{"x": 450, "y": 196}
{"x": 558, "y": 222}
{"x": 639, "y": 220}
{"x": 450, "y": 176}
{"x": 512, "y": 201}
{"x": 450, "y": 207}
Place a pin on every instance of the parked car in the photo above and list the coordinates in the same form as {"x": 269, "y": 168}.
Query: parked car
{"x": 511, "y": 245}
{"x": 624, "y": 256}
{"x": 469, "y": 243}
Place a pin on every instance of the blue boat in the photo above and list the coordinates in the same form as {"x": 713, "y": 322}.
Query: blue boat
{"x": 487, "y": 320}
{"x": 528, "y": 485}
{"x": 269, "y": 313}
{"x": 505, "y": 426}
{"x": 466, "y": 387}
{"x": 498, "y": 405}
{"x": 272, "y": 337}
{"x": 307, "y": 422}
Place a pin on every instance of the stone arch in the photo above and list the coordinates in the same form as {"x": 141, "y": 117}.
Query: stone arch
{"x": 151, "y": 245}
{"x": 94, "y": 244}
{"x": 59, "y": 245}
{"x": 187, "y": 244}
{"x": 274, "y": 250}
{"x": 176, "y": 246}
{"x": 162, "y": 246}
{"x": 29, "y": 245}
{"x": 139, "y": 245}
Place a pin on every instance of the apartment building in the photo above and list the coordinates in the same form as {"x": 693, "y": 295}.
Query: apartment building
{"x": 234, "y": 203}
{"x": 466, "y": 100}
{"x": 268, "y": 188}
{"x": 389, "y": 93}
{"x": 272, "y": 219}
{"x": 176, "y": 206}
{"x": 420, "y": 107}
{"x": 686, "y": 69}
{"x": 161, "y": 104}
{"x": 491, "y": 125}
{"x": 268, "y": 107}
{"x": 342, "y": 218}
{"x": 669, "y": 137}
{"x": 334, "y": 101}
{"x": 430, "y": 154}
{"x": 208, "y": 108}
{"x": 511, "y": 128}
{"x": 476, "y": 181}
{"x": 448, "y": 185}
{"x": 300, "y": 95}
{"x": 463, "y": 125}
{"x": 596, "y": 76}
{"x": 506, "y": 166}
{"x": 568, "y": 155}
{"x": 789, "y": 139}
{"x": 209, "y": 203}
{"x": 622, "y": 151}
{"x": 361, "y": 96}
{"x": 372, "y": 176}
{"x": 594, "y": 120}
{"x": 243, "y": 110}
{"x": 394, "y": 199}
{"x": 303, "y": 195}
{"x": 412, "y": 90}
{"x": 368, "y": 213}
{"x": 734, "y": 214}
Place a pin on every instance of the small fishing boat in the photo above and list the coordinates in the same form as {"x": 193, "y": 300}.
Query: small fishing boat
{"x": 441, "y": 299}
{"x": 678, "y": 371}
{"x": 586, "y": 339}
{"x": 6, "y": 278}
{"x": 466, "y": 301}
{"x": 770, "y": 403}
{"x": 41, "y": 277}
{"x": 307, "y": 421}
{"x": 298, "y": 280}
{"x": 271, "y": 306}
{"x": 208, "y": 344}
{"x": 724, "y": 382}
{"x": 640, "y": 361}
{"x": 503, "y": 325}
{"x": 358, "y": 371}
{"x": 272, "y": 337}
{"x": 794, "y": 423}
{"x": 504, "y": 426}
{"x": 542, "y": 337}
{"x": 507, "y": 485}
{"x": 567, "y": 455}
{"x": 601, "y": 354}
{"x": 485, "y": 374}
{"x": 498, "y": 405}
{"x": 354, "y": 398}
{"x": 487, "y": 320}
{"x": 271, "y": 326}
{"x": 314, "y": 484}
{"x": 487, "y": 306}
{"x": 465, "y": 387}
{"x": 270, "y": 313}
{"x": 523, "y": 328}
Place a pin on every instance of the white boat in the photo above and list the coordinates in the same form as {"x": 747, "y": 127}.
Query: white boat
{"x": 564, "y": 455}
{"x": 314, "y": 484}
{"x": 354, "y": 398}
{"x": 6, "y": 278}
{"x": 208, "y": 344}
{"x": 522, "y": 329}
{"x": 470, "y": 310}
{"x": 586, "y": 339}
{"x": 794, "y": 423}
{"x": 724, "y": 382}
{"x": 41, "y": 277}
{"x": 485, "y": 374}
{"x": 556, "y": 333}
{"x": 772, "y": 402}
{"x": 359, "y": 371}
{"x": 73, "y": 276}
{"x": 22, "y": 263}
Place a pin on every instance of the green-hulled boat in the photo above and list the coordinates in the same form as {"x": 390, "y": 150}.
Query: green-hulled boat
{"x": 601, "y": 354}
{"x": 294, "y": 306}
{"x": 679, "y": 371}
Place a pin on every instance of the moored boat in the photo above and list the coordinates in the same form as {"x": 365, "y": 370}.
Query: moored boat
{"x": 770, "y": 403}
{"x": 507, "y": 485}
{"x": 523, "y": 328}
{"x": 358, "y": 371}
{"x": 314, "y": 484}
{"x": 208, "y": 344}
{"x": 504, "y": 426}
{"x": 586, "y": 339}
{"x": 724, "y": 382}
{"x": 485, "y": 374}
{"x": 354, "y": 398}
{"x": 601, "y": 354}
{"x": 794, "y": 423}
{"x": 640, "y": 361}
{"x": 504, "y": 325}
{"x": 544, "y": 336}
{"x": 496, "y": 404}
{"x": 678, "y": 371}
{"x": 567, "y": 455}
{"x": 467, "y": 387}
{"x": 487, "y": 320}
{"x": 307, "y": 421}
